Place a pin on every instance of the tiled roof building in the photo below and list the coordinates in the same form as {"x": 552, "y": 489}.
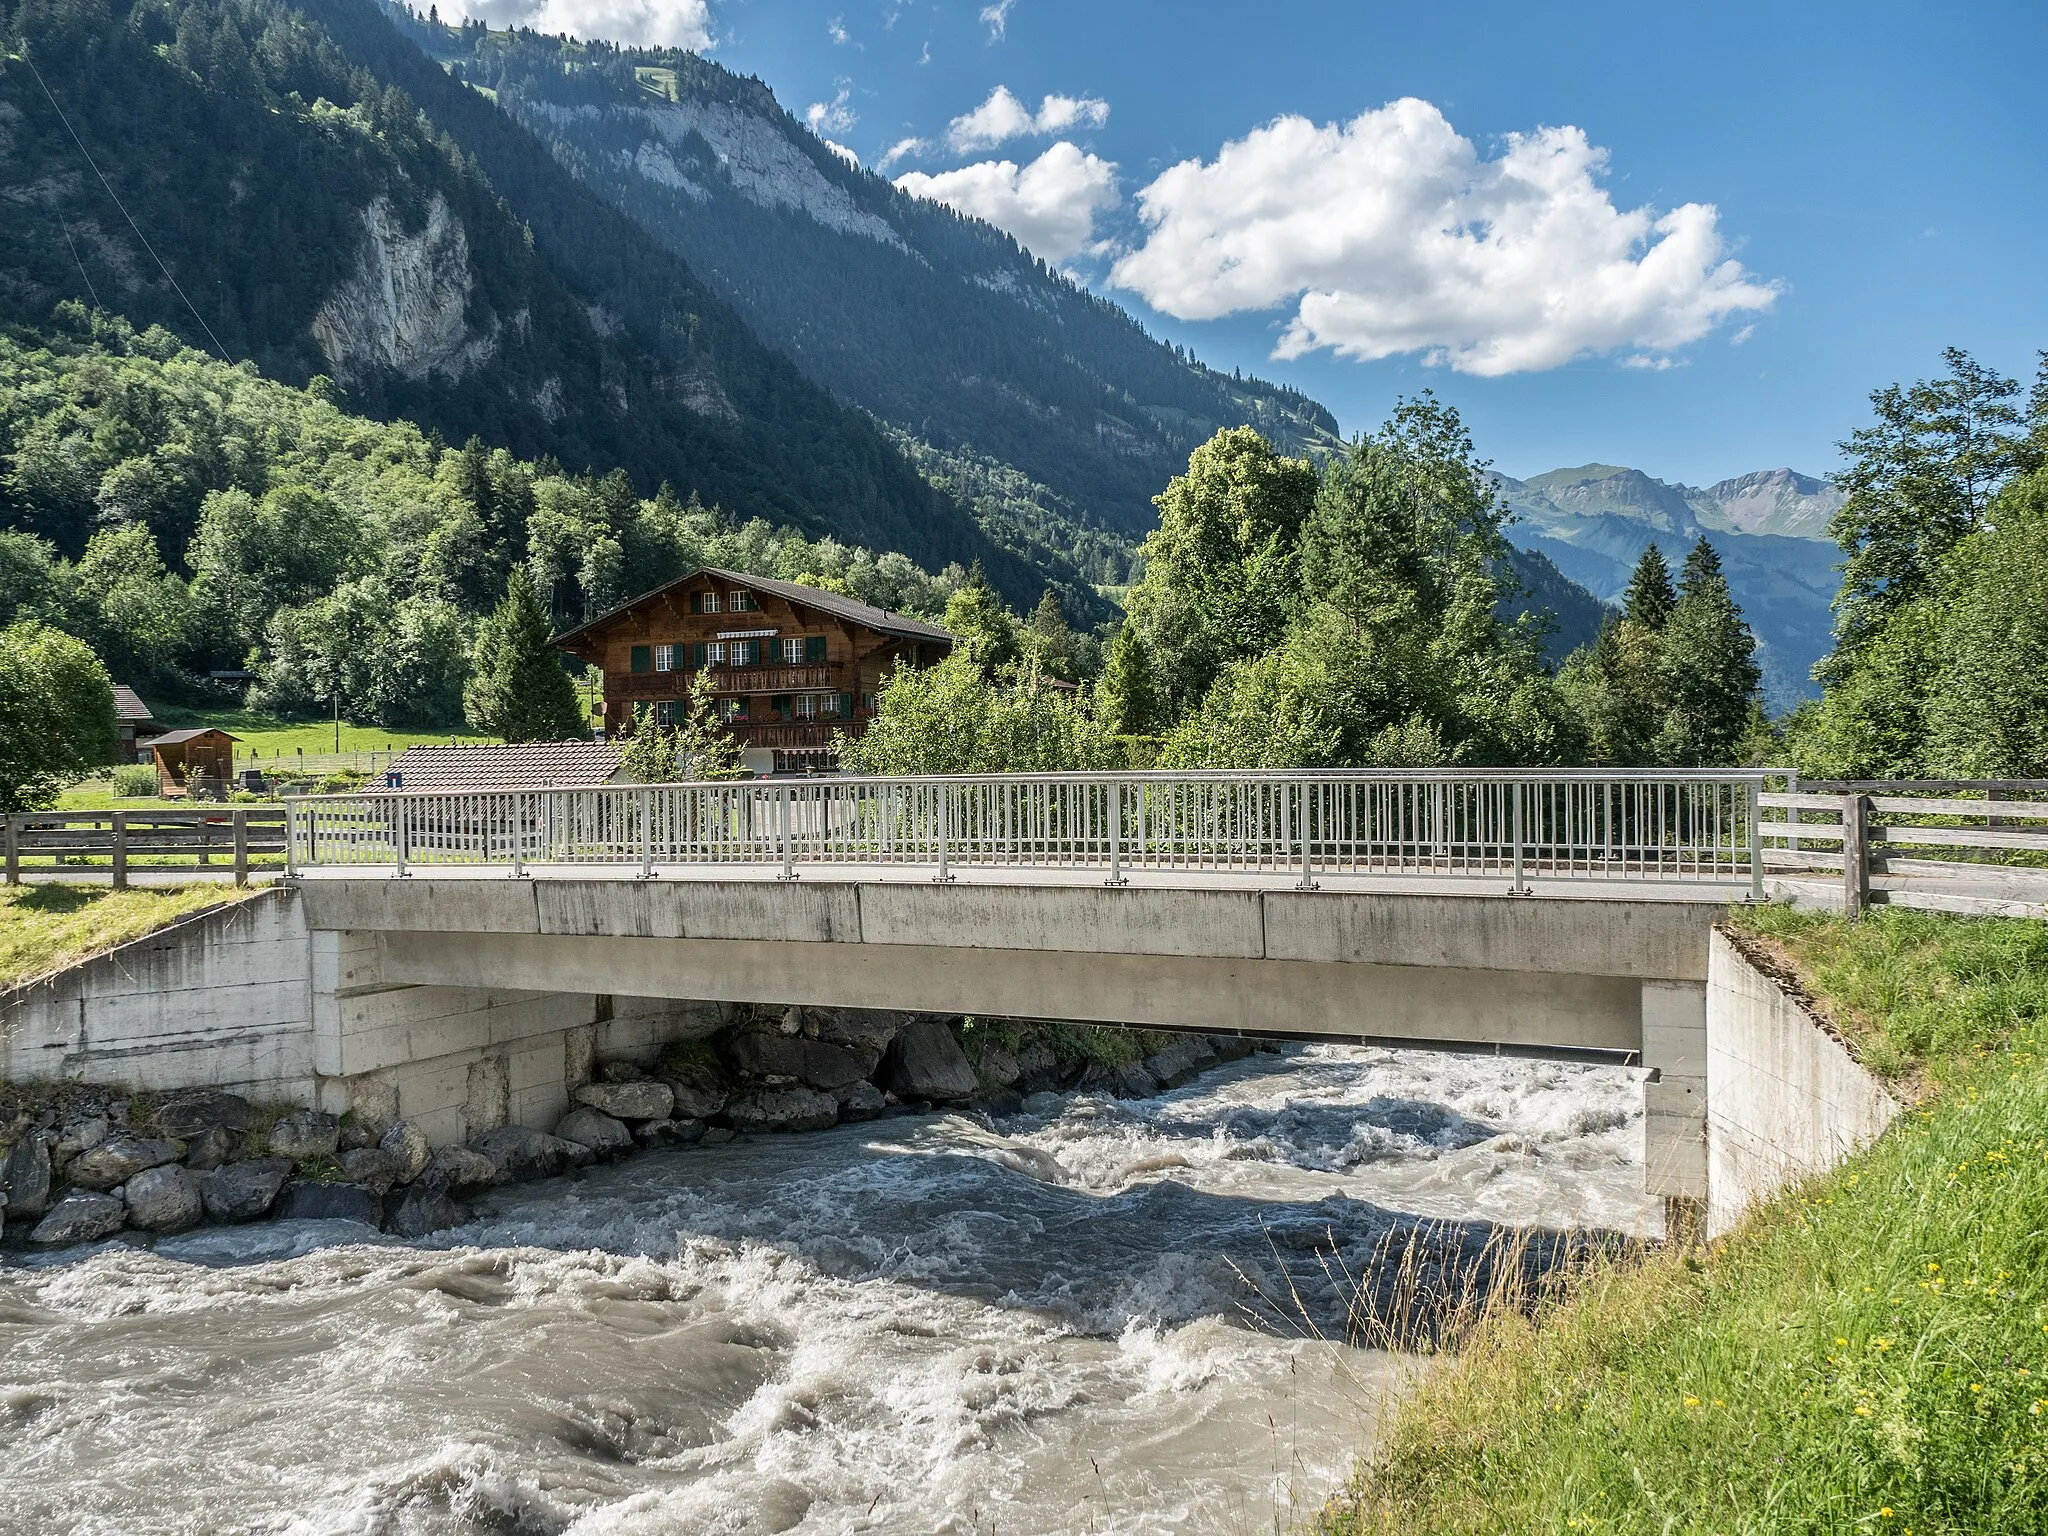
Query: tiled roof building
{"x": 529, "y": 765}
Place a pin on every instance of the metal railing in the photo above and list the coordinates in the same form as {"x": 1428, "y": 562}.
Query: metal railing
{"x": 1688, "y": 826}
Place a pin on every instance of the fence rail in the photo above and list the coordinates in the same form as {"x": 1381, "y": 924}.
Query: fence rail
{"x": 114, "y": 843}
{"x": 1976, "y": 846}
{"x": 1692, "y": 827}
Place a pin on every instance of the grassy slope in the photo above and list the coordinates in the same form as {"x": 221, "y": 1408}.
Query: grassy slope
{"x": 46, "y": 927}
{"x": 270, "y": 736}
{"x": 1870, "y": 1353}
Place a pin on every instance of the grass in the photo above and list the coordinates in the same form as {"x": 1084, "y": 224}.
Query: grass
{"x": 46, "y": 927}
{"x": 1868, "y": 1353}
{"x": 270, "y": 736}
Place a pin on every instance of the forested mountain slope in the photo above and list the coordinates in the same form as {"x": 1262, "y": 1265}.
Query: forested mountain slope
{"x": 404, "y": 238}
{"x": 938, "y": 323}
{"x": 1595, "y": 521}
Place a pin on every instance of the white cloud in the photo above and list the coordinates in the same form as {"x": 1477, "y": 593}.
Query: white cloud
{"x": 836, "y": 29}
{"x": 900, "y": 150}
{"x": 1392, "y": 234}
{"x": 842, "y": 152}
{"x": 996, "y": 18}
{"x": 1049, "y": 205}
{"x": 1004, "y": 117}
{"x": 833, "y": 116}
{"x": 650, "y": 23}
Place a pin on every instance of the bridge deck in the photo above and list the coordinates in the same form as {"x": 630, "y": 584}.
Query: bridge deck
{"x": 1576, "y": 888}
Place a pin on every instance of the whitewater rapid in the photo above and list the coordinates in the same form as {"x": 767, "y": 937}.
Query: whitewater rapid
{"x": 1094, "y": 1316}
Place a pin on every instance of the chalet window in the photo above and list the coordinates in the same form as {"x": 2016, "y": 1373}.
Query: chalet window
{"x": 806, "y": 706}
{"x": 665, "y": 713}
{"x": 746, "y": 653}
{"x": 703, "y": 602}
{"x": 741, "y": 602}
{"x": 784, "y": 706}
{"x": 814, "y": 648}
{"x": 792, "y": 651}
{"x": 867, "y": 703}
{"x": 665, "y": 658}
{"x": 829, "y": 705}
{"x": 714, "y": 653}
{"x": 735, "y": 709}
{"x": 642, "y": 658}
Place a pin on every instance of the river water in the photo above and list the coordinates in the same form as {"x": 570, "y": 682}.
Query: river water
{"x": 1092, "y": 1316}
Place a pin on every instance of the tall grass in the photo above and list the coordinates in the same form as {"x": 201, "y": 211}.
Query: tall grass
{"x": 46, "y": 927}
{"x": 1869, "y": 1353}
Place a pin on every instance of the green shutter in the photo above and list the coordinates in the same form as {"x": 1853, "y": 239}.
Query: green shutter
{"x": 643, "y": 658}
{"x": 846, "y": 706}
{"x": 697, "y": 654}
{"x": 814, "y": 647}
{"x": 696, "y": 602}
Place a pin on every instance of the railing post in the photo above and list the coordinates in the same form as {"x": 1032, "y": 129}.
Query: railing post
{"x": 1116, "y": 833}
{"x": 1756, "y": 841}
{"x": 646, "y": 799}
{"x": 13, "y": 851}
{"x": 944, "y": 876}
{"x": 1521, "y": 886}
{"x": 120, "y": 819}
{"x": 788, "y": 846}
{"x": 239, "y": 819}
{"x": 1855, "y": 861}
{"x": 1792, "y": 788}
{"x": 1307, "y": 882}
{"x": 518, "y": 832}
{"x": 291, "y": 840}
{"x": 402, "y": 837}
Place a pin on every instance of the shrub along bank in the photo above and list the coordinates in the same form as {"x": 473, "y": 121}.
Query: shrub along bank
{"x": 1868, "y": 1353}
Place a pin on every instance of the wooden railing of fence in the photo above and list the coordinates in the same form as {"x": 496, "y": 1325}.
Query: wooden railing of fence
{"x": 237, "y": 838}
{"x": 1975, "y": 846}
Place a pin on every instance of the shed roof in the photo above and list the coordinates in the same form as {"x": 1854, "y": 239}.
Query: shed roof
{"x": 529, "y": 765}
{"x": 129, "y": 708}
{"x": 179, "y": 738}
{"x": 848, "y": 608}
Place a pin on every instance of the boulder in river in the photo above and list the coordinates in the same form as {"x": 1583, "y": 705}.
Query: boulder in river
{"x": 244, "y": 1191}
{"x": 860, "y": 1101}
{"x": 926, "y": 1062}
{"x": 305, "y": 1135}
{"x": 164, "y": 1199}
{"x": 629, "y": 1101}
{"x": 330, "y": 1202}
{"x": 186, "y": 1115}
{"x": 1182, "y": 1060}
{"x": 212, "y": 1147}
{"x": 423, "y": 1209}
{"x": 408, "y": 1148}
{"x": 669, "y": 1133}
{"x": 696, "y": 1101}
{"x": 26, "y": 1175}
{"x": 80, "y": 1217}
{"x": 118, "y": 1159}
{"x": 462, "y": 1171}
{"x": 372, "y": 1167}
{"x": 783, "y": 1109}
{"x": 520, "y": 1152}
{"x": 814, "y": 1063}
{"x": 595, "y": 1129}
{"x": 1132, "y": 1081}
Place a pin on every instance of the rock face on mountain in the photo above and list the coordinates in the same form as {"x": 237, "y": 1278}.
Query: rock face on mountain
{"x": 404, "y": 308}
{"x": 1769, "y": 527}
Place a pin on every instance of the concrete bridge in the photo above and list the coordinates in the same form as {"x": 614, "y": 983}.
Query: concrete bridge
{"x": 1547, "y": 914}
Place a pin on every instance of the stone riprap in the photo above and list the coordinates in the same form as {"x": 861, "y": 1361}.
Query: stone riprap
{"x": 94, "y": 1165}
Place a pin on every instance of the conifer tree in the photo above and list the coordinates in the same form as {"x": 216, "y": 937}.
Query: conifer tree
{"x": 1649, "y": 599}
{"x": 977, "y": 615}
{"x": 1709, "y": 668}
{"x": 517, "y": 688}
{"x": 1127, "y": 699}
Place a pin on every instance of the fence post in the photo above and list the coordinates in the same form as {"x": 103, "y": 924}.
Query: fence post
{"x": 646, "y": 835}
{"x": 1756, "y": 841}
{"x": 239, "y": 819}
{"x": 291, "y": 844}
{"x": 944, "y": 876}
{"x": 518, "y": 837}
{"x": 1521, "y": 886}
{"x": 1307, "y": 882}
{"x": 120, "y": 849}
{"x": 1792, "y": 788}
{"x": 1855, "y": 861}
{"x": 404, "y": 833}
{"x": 13, "y": 851}
{"x": 1116, "y": 833}
{"x": 788, "y": 846}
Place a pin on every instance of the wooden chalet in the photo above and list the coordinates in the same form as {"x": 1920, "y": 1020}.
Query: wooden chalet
{"x": 134, "y": 721}
{"x": 790, "y": 665}
{"x": 195, "y": 763}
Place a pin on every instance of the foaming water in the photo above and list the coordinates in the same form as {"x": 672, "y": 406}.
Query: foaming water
{"x": 1092, "y": 1316}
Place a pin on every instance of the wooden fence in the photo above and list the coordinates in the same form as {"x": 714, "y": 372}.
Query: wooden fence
{"x": 235, "y": 838}
{"x": 1976, "y": 846}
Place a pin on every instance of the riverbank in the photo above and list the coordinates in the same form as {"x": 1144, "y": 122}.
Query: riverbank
{"x": 1867, "y": 1352}
{"x": 44, "y": 928}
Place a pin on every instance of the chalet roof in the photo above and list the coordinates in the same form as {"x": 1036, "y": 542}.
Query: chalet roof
{"x": 529, "y": 765}
{"x": 129, "y": 708}
{"x": 851, "y": 609}
{"x": 179, "y": 738}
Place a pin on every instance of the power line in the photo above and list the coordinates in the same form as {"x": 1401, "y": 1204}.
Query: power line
{"x": 81, "y": 265}
{"x": 223, "y": 351}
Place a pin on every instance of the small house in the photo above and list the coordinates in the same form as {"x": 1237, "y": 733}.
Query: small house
{"x": 195, "y": 763}
{"x": 522, "y": 765}
{"x": 136, "y": 724}
{"x": 791, "y": 666}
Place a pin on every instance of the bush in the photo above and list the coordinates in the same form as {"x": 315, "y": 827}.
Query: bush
{"x": 134, "y": 780}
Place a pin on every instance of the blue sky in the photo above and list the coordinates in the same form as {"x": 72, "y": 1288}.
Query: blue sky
{"x": 1877, "y": 172}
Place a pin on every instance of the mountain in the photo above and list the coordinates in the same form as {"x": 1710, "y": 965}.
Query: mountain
{"x": 940, "y": 324}
{"x": 1594, "y": 523}
{"x": 331, "y": 203}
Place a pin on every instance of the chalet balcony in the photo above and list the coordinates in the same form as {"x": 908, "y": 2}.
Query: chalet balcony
{"x": 787, "y": 735}
{"x": 742, "y": 681}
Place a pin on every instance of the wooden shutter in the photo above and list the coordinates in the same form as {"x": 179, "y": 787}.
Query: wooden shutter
{"x": 814, "y": 648}
{"x": 643, "y": 658}
{"x": 696, "y": 602}
{"x": 697, "y": 657}
{"x": 846, "y": 706}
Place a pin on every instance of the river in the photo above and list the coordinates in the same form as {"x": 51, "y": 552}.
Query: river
{"x": 1095, "y": 1316}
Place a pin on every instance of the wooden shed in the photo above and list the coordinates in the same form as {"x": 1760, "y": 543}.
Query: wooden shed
{"x": 195, "y": 763}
